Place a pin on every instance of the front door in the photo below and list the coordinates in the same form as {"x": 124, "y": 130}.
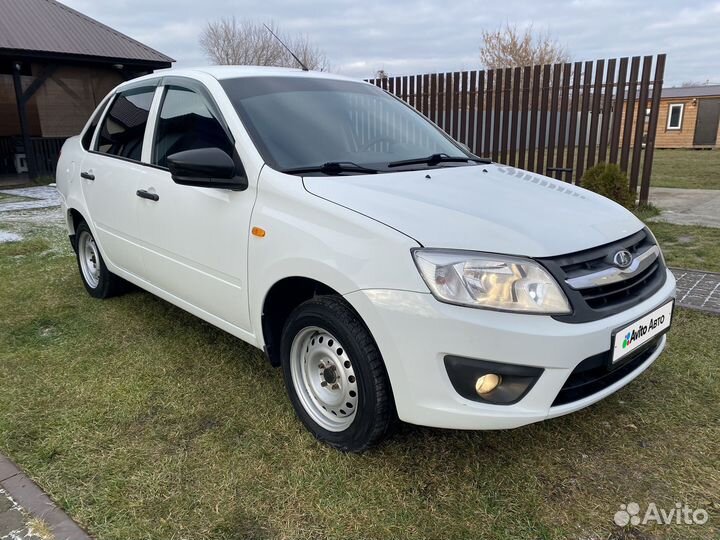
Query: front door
{"x": 195, "y": 239}
{"x": 109, "y": 176}
{"x": 706, "y": 128}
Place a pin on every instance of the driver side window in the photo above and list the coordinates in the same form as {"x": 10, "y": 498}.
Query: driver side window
{"x": 186, "y": 123}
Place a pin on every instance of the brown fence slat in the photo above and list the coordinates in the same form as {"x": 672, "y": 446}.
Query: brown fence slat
{"x": 471, "y": 112}
{"x": 595, "y": 115}
{"x": 617, "y": 110}
{"x": 479, "y": 147}
{"x": 497, "y": 107}
{"x": 552, "y": 118}
{"x": 534, "y": 109}
{"x": 437, "y": 82}
{"x": 607, "y": 104}
{"x": 425, "y": 93}
{"x": 487, "y": 132}
{"x": 412, "y": 88}
{"x": 544, "y": 104}
{"x": 629, "y": 113}
{"x": 652, "y": 129}
{"x": 640, "y": 123}
{"x": 448, "y": 103}
{"x": 582, "y": 132}
{"x": 514, "y": 116}
{"x": 562, "y": 128}
{"x": 463, "y": 133}
{"x": 524, "y": 114}
{"x": 574, "y": 109}
{"x": 456, "y": 108}
{"x": 505, "y": 115}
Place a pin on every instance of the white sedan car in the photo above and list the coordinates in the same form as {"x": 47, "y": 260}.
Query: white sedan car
{"x": 388, "y": 271}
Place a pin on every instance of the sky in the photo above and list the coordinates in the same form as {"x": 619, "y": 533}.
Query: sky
{"x": 406, "y": 37}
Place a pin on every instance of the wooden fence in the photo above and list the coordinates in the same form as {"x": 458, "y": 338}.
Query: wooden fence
{"x": 556, "y": 119}
{"x": 46, "y": 151}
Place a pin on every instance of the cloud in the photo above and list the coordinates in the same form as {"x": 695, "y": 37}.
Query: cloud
{"x": 405, "y": 37}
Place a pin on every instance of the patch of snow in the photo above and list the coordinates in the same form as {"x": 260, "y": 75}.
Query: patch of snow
{"x": 6, "y": 237}
{"x": 38, "y": 216}
{"x": 38, "y": 197}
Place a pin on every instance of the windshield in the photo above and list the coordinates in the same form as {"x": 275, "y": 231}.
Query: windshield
{"x": 302, "y": 123}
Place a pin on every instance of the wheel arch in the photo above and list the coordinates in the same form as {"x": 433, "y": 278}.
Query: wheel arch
{"x": 280, "y": 300}
{"x": 74, "y": 218}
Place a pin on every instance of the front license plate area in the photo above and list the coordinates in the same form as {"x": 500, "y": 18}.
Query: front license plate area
{"x": 631, "y": 337}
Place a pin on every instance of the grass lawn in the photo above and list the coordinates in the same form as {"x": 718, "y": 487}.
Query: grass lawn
{"x": 686, "y": 169}
{"x": 685, "y": 246}
{"x": 689, "y": 246}
{"x": 144, "y": 422}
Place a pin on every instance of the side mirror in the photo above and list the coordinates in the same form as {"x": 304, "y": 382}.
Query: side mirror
{"x": 206, "y": 167}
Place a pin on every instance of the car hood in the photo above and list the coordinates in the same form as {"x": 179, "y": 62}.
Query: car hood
{"x": 491, "y": 208}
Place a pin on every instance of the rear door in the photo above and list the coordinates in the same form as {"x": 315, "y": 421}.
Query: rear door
{"x": 110, "y": 174}
{"x": 195, "y": 238}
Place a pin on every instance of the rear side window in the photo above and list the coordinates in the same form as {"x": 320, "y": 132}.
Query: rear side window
{"x": 123, "y": 129}
{"x": 187, "y": 123}
{"x": 87, "y": 137}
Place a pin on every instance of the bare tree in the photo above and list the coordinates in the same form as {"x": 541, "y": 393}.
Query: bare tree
{"x": 381, "y": 74}
{"x": 510, "y": 46}
{"x": 231, "y": 42}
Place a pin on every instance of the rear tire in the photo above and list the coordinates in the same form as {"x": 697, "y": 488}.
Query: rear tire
{"x": 98, "y": 280}
{"x": 335, "y": 375}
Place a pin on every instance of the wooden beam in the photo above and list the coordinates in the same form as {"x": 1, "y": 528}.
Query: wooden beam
{"x": 38, "y": 82}
{"x": 69, "y": 91}
{"x": 22, "y": 114}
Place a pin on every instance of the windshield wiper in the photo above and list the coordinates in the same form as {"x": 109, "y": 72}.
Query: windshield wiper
{"x": 332, "y": 168}
{"x": 435, "y": 159}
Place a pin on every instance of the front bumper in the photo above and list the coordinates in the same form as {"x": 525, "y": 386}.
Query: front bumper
{"x": 415, "y": 332}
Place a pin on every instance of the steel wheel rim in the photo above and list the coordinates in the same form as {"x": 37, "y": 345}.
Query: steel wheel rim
{"x": 324, "y": 378}
{"x": 89, "y": 257}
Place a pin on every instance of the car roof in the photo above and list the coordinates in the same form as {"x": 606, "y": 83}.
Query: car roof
{"x": 234, "y": 72}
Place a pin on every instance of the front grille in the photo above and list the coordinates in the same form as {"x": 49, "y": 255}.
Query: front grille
{"x": 609, "y": 295}
{"x": 594, "y": 374}
{"x": 595, "y": 302}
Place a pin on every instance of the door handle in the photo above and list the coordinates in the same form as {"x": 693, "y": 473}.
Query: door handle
{"x": 87, "y": 175}
{"x": 147, "y": 195}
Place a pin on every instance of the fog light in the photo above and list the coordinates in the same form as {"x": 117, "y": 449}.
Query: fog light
{"x": 487, "y": 383}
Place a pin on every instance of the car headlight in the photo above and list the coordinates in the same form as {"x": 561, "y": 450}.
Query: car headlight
{"x": 485, "y": 280}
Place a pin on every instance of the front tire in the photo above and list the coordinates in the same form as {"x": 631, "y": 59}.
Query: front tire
{"x": 335, "y": 375}
{"x": 98, "y": 280}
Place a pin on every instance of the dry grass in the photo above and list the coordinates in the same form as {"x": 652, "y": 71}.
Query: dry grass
{"x": 40, "y": 529}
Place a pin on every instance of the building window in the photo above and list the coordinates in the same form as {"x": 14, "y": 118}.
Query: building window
{"x": 675, "y": 114}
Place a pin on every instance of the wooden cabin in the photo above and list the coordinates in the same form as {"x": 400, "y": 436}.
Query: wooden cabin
{"x": 689, "y": 117}
{"x": 56, "y": 65}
